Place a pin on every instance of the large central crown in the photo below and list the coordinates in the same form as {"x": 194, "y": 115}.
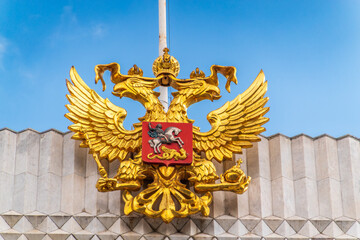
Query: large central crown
{"x": 166, "y": 64}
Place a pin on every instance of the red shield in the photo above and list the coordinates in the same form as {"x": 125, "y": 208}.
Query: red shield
{"x": 167, "y": 143}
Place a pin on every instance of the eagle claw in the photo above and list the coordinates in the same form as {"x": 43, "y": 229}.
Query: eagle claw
{"x": 106, "y": 184}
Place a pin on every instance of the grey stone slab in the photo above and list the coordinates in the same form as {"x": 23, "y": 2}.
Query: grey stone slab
{"x": 72, "y": 194}
{"x": 47, "y": 225}
{"x": 201, "y": 222}
{"x": 59, "y": 235}
{"x": 303, "y": 156}
{"x": 306, "y": 198}
{"x": 308, "y": 230}
{"x": 258, "y": 161}
{"x": 273, "y": 222}
{"x": 131, "y": 221}
{"x": 166, "y": 229}
{"x": 296, "y": 222}
{"x": 3, "y": 225}
{"x": 329, "y": 194}
{"x": 226, "y": 236}
{"x": 7, "y": 151}
{"x": 179, "y": 236}
{"x": 74, "y": 157}
{"x": 95, "y": 226}
{"x": 354, "y": 230}
{"x": 297, "y": 237}
{"x": 6, "y": 190}
{"x": 131, "y": 236}
{"x": 71, "y": 226}
{"x": 346, "y": 237}
{"x": 285, "y": 230}
{"x": 60, "y": 218}
{"x": 273, "y": 236}
{"x": 154, "y": 222}
{"x": 83, "y": 219}
{"x": 23, "y": 225}
{"x": 203, "y": 236}
{"x": 283, "y": 197}
{"x": 326, "y": 154}
{"x": 107, "y": 235}
{"x": 25, "y": 193}
{"x": 10, "y": 234}
{"x": 95, "y": 202}
{"x": 250, "y": 236}
{"x": 345, "y": 223}
{"x": 214, "y": 229}
{"x": 179, "y": 223}
{"x": 320, "y": 223}
{"x": 260, "y": 197}
{"x": 238, "y": 229}
{"x": 34, "y": 235}
{"x": 333, "y": 230}
{"x": 51, "y": 153}
{"x": 262, "y": 229}
{"x": 114, "y": 202}
{"x": 11, "y": 217}
{"x": 27, "y": 153}
{"x": 349, "y": 163}
{"x": 142, "y": 227}
{"x": 154, "y": 236}
{"x": 217, "y": 205}
{"x": 250, "y": 222}
{"x": 280, "y": 157}
{"x": 49, "y": 193}
{"x": 107, "y": 219}
{"x": 119, "y": 227}
{"x": 83, "y": 235}
{"x": 226, "y": 221}
{"x": 190, "y": 228}
{"x": 35, "y": 218}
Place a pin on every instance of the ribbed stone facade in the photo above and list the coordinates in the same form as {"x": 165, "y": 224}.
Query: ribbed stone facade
{"x": 301, "y": 188}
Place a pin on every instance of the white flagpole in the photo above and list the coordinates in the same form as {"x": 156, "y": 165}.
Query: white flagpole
{"x": 162, "y": 44}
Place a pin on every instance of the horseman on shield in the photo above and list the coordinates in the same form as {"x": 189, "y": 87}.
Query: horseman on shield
{"x": 163, "y": 137}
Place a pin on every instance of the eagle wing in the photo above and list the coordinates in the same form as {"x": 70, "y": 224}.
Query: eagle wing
{"x": 236, "y": 124}
{"x": 98, "y": 122}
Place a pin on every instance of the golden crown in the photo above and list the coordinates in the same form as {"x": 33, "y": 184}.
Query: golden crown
{"x": 166, "y": 64}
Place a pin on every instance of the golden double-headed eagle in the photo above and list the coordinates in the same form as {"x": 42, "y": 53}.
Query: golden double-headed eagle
{"x": 99, "y": 124}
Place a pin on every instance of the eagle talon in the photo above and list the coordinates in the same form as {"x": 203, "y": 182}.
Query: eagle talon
{"x": 106, "y": 184}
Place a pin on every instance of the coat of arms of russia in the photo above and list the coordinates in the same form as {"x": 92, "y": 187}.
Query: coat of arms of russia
{"x": 165, "y": 148}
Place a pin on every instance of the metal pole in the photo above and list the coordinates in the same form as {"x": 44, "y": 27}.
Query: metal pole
{"x": 162, "y": 44}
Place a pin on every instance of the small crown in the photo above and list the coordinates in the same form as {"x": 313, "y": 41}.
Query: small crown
{"x": 135, "y": 70}
{"x": 166, "y": 64}
{"x": 197, "y": 73}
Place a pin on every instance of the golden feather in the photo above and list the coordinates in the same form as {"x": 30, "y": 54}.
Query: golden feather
{"x": 98, "y": 122}
{"x": 240, "y": 119}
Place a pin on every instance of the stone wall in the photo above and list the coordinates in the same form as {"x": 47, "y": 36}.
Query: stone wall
{"x": 301, "y": 188}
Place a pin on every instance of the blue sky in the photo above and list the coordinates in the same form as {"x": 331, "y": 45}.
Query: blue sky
{"x": 309, "y": 51}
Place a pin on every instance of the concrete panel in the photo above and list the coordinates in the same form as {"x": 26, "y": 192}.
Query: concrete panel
{"x": 326, "y": 154}
{"x": 306, "y": 198}
{"x": 258, "y": 161}
{"x": 74, "y": 157}
{"x": 51, "y": 149}
{"x": 303, "y": 156}
{"x": 349, "y": 163}
{"x": 27, "y": 152}
{"x": 7, "y": 151}
{"x": 280, "y": 157}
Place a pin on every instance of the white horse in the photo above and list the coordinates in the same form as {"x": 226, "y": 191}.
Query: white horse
{"x": 167, "y": 138}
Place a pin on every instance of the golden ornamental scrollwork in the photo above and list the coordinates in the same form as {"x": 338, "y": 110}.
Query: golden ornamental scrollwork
{"x": 164, "y": 147}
